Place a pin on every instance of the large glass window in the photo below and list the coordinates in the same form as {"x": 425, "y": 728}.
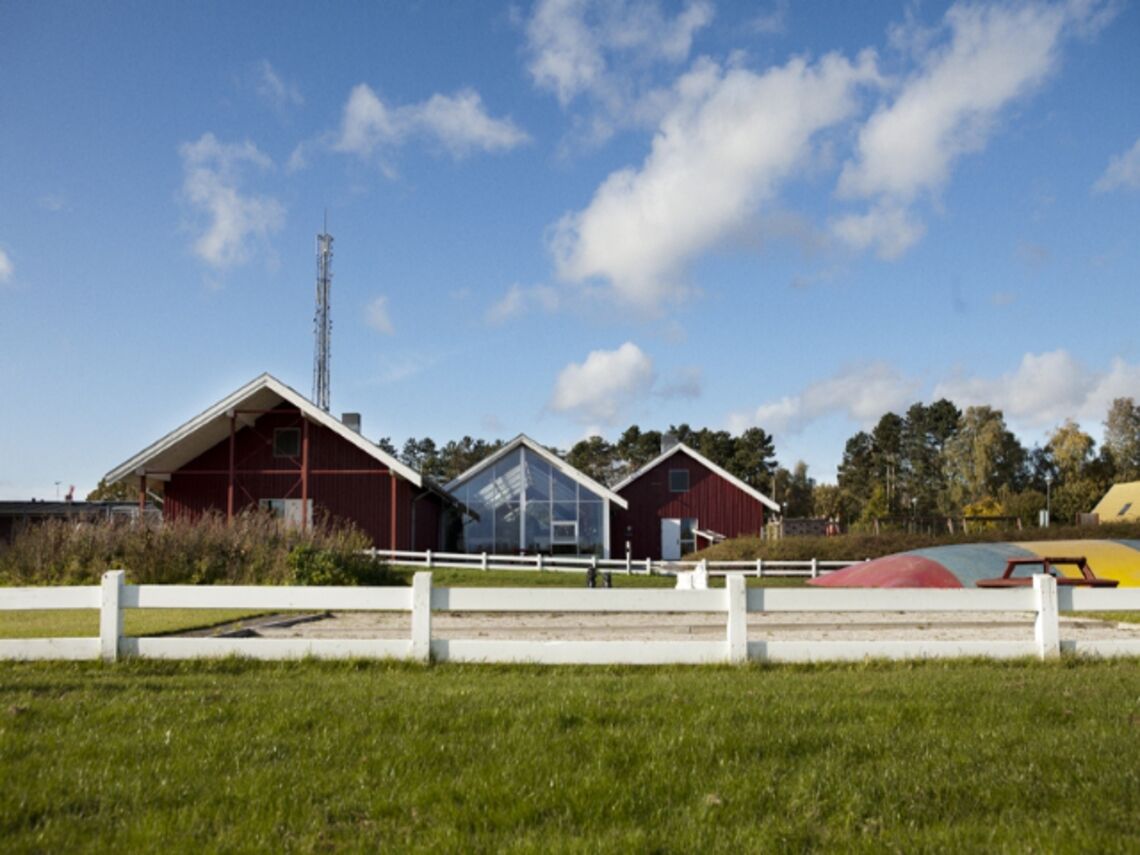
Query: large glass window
{"x": 524, "y": 503}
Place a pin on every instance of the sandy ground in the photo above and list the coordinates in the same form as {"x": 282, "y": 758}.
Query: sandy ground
{"x": 801, "y": 626}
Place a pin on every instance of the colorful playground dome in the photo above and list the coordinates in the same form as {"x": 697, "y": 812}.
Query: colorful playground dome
{"x": 962, "y": 565}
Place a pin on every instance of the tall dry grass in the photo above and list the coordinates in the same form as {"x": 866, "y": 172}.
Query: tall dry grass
{"x": 253, "y": 549}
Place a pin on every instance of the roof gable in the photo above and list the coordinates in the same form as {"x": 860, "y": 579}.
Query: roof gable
{"x": 211, "y": 426}
{"x": 1120, "y": 504}
{"x": 547, "y": 455}
{"x": 681, "y": 448}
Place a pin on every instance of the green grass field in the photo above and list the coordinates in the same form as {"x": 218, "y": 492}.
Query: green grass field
{"x": 236, "y": 756}
{"x": 78, "y": 623}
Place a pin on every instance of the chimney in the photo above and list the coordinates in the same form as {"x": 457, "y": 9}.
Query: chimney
{"x": 668, "y": 440}
{"x": 351, "y": 421}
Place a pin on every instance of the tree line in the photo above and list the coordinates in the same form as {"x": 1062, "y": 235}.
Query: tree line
{"x": 934, "y": 460}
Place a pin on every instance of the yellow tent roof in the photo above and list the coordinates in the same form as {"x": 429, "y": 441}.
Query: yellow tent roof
{"x": 1120, "y": 504}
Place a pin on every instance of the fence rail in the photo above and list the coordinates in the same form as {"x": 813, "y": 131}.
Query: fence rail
{"x": 429, "y": 559}
{"x": 1043, "y": 601}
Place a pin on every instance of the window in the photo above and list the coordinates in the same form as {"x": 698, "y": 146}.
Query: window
{"x": 1124, "y": 510}
{"x": 678, "y": 480}
{"x": 286, "y": 442}
{"x": 292, "y": 511}
{"x": 564, "y": 532}
{"x": 688, "y": 535}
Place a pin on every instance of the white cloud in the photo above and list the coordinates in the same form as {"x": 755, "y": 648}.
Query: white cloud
{"x": 1123, "y": 171}
{"x": 889, "y": 228}
{"x": 7, "y": 269}
{"x": 376, "y": 316}
{"x": 687, "y": 383}
{"x": 211, "y": 184}
{"x": 1046, "y": 389}
{"x": 519, "y": 300}
{"x": 459, "y": 122}
{"x": 54, "y": 202}
{"x": 583, "y": 46}
{"x": 773, "y": 22}
{"x": 863, "y": 394}
{"x": 274, "y": 90}
{"x": 996, "y": 54}
{"x": 730, "y": 139}
{"x": 600, "y": 389}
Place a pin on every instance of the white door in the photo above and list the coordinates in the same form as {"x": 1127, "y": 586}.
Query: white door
{"x": 670, "y": 539}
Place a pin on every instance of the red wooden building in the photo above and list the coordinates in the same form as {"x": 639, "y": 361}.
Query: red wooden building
{"x": 268, "y": 446}
{"x": 680, "y": 502}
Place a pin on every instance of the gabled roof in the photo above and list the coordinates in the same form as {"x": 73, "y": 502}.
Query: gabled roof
{"x": 1120, "y": 504}
{"x": 210, "y": 427}
{"x": 681, "y": 448}
{"x": 547, "y": 455}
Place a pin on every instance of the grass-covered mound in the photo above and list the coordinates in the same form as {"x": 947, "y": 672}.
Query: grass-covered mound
{"x": 235, "y": 756}
{"x": 858, "y": 546}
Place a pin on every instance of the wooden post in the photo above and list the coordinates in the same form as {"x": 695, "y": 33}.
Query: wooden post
{"x": 392, "y": 535}
{"x": 736, "y": 605}
{"x": 1047, "y": 627}
{"x": 142, "y": 496}
{"x": 304, "y": 474}
{"x": 421, "y": 617}
{"x": 230, "y": 481}
{"x": 111, "y": 615}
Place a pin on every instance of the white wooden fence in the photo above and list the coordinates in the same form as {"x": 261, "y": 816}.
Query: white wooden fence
{"x": 736, "y": 602}
{"x": 630, "y": 566}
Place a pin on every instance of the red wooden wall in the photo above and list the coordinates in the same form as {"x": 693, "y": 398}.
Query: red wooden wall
{"x": 717, "y": 505}
{"x": 362, "y": 498}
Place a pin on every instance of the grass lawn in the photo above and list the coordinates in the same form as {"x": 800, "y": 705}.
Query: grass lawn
{"x": 78, "y": 623}
{"x": 239, "y": 756}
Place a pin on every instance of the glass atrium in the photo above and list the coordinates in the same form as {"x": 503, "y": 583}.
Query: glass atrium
{"x": 526, "y": 505}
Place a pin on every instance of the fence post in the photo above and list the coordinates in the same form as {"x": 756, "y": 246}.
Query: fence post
{"x": 427, "y": 554}
{"x": 648, "y": 566}
{"x": 421, "y": 617}
{"x": 737, "y": 607}
{"x": 111, "y": 615}
{"x": 1047, "y": 626}
{"x": 539, "y": 561}
{"x": 815, "y": 568}
{"x": 484, "y": 565}
{"x": 759, "y": 568}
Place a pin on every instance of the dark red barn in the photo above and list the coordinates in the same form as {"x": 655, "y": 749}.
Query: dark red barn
{"x": 268, "y": 446}
{"x": 680, "y": 502}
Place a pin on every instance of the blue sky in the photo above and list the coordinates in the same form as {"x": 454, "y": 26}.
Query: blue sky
{"x": 565, "y": 217}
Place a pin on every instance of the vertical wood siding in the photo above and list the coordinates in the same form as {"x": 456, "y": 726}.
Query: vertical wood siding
{"x": 716, "y": 504}
{"x": 365, "y": 499}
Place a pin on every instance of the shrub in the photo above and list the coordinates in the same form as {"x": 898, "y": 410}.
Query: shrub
{"x": 253, "y": 549}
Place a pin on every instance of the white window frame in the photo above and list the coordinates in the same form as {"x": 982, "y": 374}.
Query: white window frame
{"x": 563, "y": 540}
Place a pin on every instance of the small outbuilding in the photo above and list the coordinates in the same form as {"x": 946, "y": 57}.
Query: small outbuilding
{"x": 525, "y": 498}
{"x": 267, "y": 446}
{"x": 680, "y": 502}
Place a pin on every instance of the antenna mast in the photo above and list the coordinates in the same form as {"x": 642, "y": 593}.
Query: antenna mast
{"x": 322, "y": 323}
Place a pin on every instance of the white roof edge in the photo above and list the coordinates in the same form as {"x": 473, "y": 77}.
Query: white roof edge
{"x": 547, "y": 455}
{"x": 704, "y": 461}
{"x": 287, "y": 393}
